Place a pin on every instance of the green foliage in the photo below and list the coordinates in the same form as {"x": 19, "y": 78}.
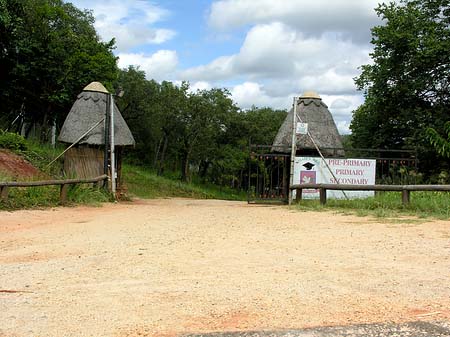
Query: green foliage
{"x": 48, "y": 196}
{"x": 388, "y": 205}
{"x": 12, "y": 141}
{"x": 406, "y": 86}
{"x": 49, "y": 50}
{"x": 198, "y": 133}
{"x": 84, "y": 194}
{"x": 441, "y": 145}
{"x": 145, "y": 183}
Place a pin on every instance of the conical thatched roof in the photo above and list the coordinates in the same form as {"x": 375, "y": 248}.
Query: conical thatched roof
{"x": 312, "y": 110}
{"x": 89, "y": 108}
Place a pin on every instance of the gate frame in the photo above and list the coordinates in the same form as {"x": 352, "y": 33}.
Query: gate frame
{"x": 404, "y": 158}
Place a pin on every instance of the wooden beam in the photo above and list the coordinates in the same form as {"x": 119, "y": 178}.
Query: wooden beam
{"x": 399, "y": 188}
{"x": 63, "y": 194}
{"x": 4, "y": 193}
{"x": 406, "y": 197}
{"x": 323, "y": 195}
{"x": 53, "y": 182}
{"x": 298, "y": 194}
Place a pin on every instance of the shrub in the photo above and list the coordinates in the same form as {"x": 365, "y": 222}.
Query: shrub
{"x": 12, "y": 141}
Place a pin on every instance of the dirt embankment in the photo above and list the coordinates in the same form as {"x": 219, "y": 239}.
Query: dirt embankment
{"x": 15, "y": 166}
{"x": 166, "y": 267}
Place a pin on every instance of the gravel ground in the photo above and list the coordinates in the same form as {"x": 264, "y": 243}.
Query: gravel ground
{"x": 175, "y": 266}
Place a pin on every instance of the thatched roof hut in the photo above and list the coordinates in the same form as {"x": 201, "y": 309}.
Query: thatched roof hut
{"x": 87, "y": 158}
{"x": 89, "y": 108}
{"x": 312, "y": 110}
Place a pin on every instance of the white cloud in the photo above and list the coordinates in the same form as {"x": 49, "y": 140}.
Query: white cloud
{"x": 276, "y": 52}
{"x": 201, "y": 85}
{"x": 220, "y": 68}
{"x": 341, "y": 108}
{"x": 352, "y": 18}
{"x": 248, "y": 94}
{"x": 340, "y": 103}
{"x": 129, "y": 22}
{"x": 159, "y": 66}
{"x": 343, "y": 127}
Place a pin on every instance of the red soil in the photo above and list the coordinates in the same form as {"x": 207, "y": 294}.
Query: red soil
{"x": 15, "y": 166}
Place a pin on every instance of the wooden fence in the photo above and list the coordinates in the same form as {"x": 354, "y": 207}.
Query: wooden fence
{"x": 5, "y": 186}
{"x": 405, "y": 189}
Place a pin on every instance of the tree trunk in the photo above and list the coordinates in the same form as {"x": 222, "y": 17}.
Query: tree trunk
{"x": 157, "y": 148}
{"x": 204, "y": 165}
{"x": 163, "y": 154}
{"x": 43, "y": 137}
{"x": 185, "y": 166}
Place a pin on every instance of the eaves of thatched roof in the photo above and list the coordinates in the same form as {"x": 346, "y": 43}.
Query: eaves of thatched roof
{"x": 89, "y": 108}
{"x": 312, "y": 110}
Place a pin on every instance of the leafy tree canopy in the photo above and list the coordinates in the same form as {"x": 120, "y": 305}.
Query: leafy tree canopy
{"x": 49, "y": 50}
{"x": 407, "y": 85}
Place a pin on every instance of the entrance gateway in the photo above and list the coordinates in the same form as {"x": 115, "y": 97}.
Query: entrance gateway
{"x": 308, "y": 148}
{"x": 269, "y": 172}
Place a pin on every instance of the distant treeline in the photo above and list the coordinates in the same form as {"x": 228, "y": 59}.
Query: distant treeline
{"x": 49, "y": 50}
{"x": 179, "y": 130}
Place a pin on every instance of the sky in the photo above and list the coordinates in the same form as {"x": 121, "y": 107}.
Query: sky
{"x": 264, "y": 52}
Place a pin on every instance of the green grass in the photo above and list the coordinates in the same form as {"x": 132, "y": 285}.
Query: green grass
{"x": 47, "y": 196}
{"x": 388, "y": 205}
{"x": 40, "y": 155}
{"x": 144, "y": 183}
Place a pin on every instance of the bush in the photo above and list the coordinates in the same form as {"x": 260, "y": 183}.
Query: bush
{"x": 12, "y": 141}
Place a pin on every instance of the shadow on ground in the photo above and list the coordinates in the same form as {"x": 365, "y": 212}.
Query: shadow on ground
{"x": 411, "y": 329}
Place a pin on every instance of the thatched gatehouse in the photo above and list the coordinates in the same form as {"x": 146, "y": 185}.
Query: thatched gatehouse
{"x": 87, "y": 158}
{"x": 312, "y": 110}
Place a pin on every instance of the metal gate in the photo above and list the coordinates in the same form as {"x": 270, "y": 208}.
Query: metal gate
{"x": 268, "y": 173}
{"x": 268, "y": 176}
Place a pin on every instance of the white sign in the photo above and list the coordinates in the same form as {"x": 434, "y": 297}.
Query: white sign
{"x": 302, "y": 129}
{"x": 346, "y": 171}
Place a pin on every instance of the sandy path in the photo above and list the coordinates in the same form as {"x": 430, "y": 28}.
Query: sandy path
{"x": 164, "y": 267}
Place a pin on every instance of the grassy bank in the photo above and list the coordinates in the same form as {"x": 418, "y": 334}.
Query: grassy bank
{"x": 144, "y": 183}
{"x": 388, "y": 205}
{"x": 46, "y": 196}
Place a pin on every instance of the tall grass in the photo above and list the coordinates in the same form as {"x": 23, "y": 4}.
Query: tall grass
{"x": 145, "y": 183}
{"x": 40, "y": 155}
{"x": 388, "y": 205}
{"x": 48, "y": 196}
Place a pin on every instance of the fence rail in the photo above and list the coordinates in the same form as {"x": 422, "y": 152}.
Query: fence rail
{"x": 405, "y": 189}
{"x": 5, "y": 186}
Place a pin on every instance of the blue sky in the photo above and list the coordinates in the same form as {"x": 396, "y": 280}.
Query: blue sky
{"x": 264, "y": 51}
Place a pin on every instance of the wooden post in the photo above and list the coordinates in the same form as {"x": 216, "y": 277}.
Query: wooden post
{"x": 63, "y": 194}
{"x": 299, "y": 194}
{"x": 406, "y": 197}
{"x": 4, "y": 193}
{"x": 293, "y": 149}
{"x": 323, "y": 195}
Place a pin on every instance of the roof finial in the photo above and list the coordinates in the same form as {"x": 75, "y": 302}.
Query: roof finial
{"x": 310, "y": 94}
{"x": 96, "y": 86}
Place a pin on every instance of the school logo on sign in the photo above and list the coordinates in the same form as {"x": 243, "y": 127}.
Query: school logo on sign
{"x": 308, "y": 177}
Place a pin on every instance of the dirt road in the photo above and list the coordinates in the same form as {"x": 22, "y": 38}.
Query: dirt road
{"x": 167, "y": 267}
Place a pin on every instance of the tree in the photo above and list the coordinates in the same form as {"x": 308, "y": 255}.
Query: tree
{"x": 441, "y": 144}
{"x": 141, "y": 109}
{"x": 50, "y": 52}
{"x": 407, "y": 85}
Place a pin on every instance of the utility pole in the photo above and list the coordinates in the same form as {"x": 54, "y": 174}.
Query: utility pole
{"x": 293, "y": 149}
{"x": 112, "y": 159}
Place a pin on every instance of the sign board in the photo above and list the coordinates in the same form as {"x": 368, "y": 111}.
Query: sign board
{"x": 302, "y": 129}
{"x": 346, "y": 170}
